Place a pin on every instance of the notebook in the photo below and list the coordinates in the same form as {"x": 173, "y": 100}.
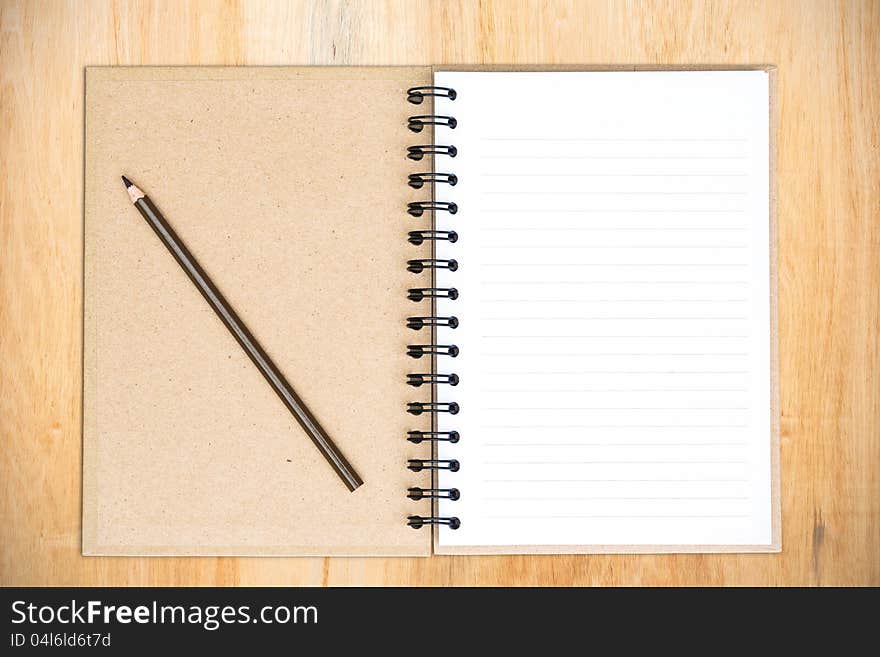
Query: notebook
{"x": 535, "y": 309}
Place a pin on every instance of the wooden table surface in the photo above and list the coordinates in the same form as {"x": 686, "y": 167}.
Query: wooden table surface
{"x": 828, "y": 54}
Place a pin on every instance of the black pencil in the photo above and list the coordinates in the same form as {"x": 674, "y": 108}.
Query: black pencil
{"x": 244, "y": 337}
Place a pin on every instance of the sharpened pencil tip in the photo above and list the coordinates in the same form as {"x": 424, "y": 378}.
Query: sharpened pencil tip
{"x": 134, "y": 193}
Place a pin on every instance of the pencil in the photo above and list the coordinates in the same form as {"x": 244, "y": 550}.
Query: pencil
{"x": 243, "y": 336}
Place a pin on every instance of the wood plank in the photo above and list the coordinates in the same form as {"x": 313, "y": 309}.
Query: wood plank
{"x": 829, "y": 220}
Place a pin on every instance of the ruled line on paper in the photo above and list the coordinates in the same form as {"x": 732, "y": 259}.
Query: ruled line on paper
{"x": 614, "y": 175}
{"x": 615, "y": 157}
{"x": 614, "y": 408}
{"x": 602, "y": 282}
{"x": 551, "y": 229}
{"x": 712, "y": 480}
{"x": 615, "y": 516}
{"x": 617, "y": 139}
{"x": 568, "y": 192}
{"x": 617, "y": 300}
{"x": 618, "y": 318}
{"x": 613, "y": 426}
{"x": 610, "y": 443}
{"x": 612, "y": 390}
{"x": 620, "y": 462}
{"x": 608, "y": 211}
{"x": 621, "y": 371}
{"x": 612, "y": 264}
{"x": 654, "y": 354}
{"x": 616, "y": 335}
{"x": 606, "y": 247}
{"x": 617, "y": 498}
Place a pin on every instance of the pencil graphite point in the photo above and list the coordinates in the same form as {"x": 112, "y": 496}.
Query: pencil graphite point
{"x": 133, "y": 192}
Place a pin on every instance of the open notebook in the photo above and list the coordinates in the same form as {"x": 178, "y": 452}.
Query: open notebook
{"x": 558, "y": 337}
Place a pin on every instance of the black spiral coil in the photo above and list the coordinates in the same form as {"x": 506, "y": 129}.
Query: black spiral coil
{"x": 418, "y": 208}
{"x": 419, "y": 350}
{"x": 417, "y": 237}
{"x": 418, "y": 437}
{"x": 416, "y": 493}
{"x": 418, "y": 323}
{"x": 418, "y": 266}
{"x": 416, "y": 96}
{"x": 418, "y": 153}
{"x": 419, "y": 180}
{"x": 432, "y": 436}
{"x": 417, "y": 408}
{"x": 417, "y": 522}
{"x": 418, "y": 123}
{"x": 417, "y": 380}
{"x": 417, "y": 465}
{"x": 419, "y": 293}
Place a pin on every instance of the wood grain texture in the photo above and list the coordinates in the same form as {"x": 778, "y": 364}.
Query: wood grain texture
{"x": 828, "y": 56}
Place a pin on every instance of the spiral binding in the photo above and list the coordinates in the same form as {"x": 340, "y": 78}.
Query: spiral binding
{"x": 418, "y": 123}
{"x": 416, "y": 380}
{"x": 417, "y": 237}
{"x": 417, "y": 465}
{"x": 416, "y": 493}
{"x": 418, "y": 323}
{"x": 417, "y": 522}
{"x": 417, "y": 153}
{"x": 419, "y": 350}
{"x": 419, "y": 293}
{"x": 418, "y": 266}
{"x": 418, "y": 180}
{"x": 418, "y": 208}
{"x": 417, "y": 408}
{"x": 416, "y": 96}
{"x": 418, "y": 437}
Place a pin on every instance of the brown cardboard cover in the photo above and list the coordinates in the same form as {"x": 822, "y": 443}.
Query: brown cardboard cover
{"x": 288, "y": 185}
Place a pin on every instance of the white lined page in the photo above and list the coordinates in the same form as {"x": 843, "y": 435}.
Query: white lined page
{"x": 614, "y": 308}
